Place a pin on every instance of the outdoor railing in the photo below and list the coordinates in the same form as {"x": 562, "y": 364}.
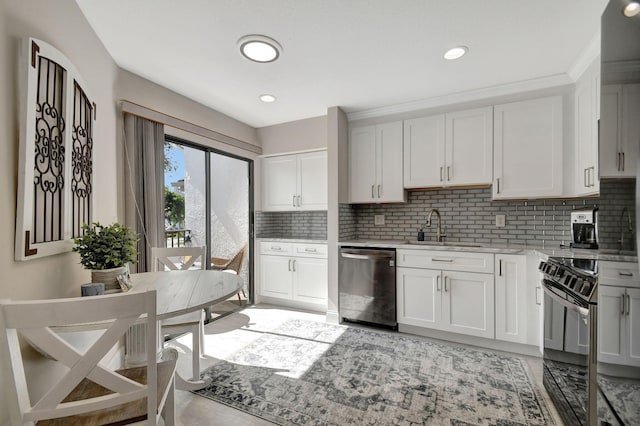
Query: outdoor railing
{"x": 178, "y": 237}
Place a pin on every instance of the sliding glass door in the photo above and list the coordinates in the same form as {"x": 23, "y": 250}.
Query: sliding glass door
{"x": 208, "y": 201}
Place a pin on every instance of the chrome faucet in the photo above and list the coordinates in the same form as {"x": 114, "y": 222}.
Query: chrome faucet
{"x": 439, "y": 235}
{"x": 629, "y": 228}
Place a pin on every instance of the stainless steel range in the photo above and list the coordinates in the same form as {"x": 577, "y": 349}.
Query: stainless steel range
{"x": 570, "y": 338}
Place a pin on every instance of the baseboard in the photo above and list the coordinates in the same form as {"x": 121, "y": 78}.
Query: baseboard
{"x": 333, "y": 317}
{"x": 499, "y": 345}
{"x": 294, "y": 304}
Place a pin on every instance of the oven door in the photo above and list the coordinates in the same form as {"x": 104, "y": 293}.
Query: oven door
{"x": 565, "y": 355}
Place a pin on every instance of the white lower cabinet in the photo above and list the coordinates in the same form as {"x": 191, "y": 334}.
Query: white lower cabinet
{"x": 511, "y": 298}
{"x": 619, "y": 325}
{"x": 294, "y": 272}
{"x": 454, "y": 301}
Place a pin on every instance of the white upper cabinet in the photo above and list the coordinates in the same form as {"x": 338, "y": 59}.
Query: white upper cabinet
{"x": 528, "y": 149}
{"x": 424, "y": 153}
{"x": 375, "y": 164}
{"x": 452, "y": 149}
{"x": 587, "y": 105}
{"x": 619, "y": 130}
{"x": 295, "y": 182}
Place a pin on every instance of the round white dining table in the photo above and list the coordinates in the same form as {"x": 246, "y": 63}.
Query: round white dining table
{"x": 178, "y": 293}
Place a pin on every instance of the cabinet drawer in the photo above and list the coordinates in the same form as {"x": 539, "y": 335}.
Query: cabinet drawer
{"x": 446, "y": 260}
{"x": 623, "y": 274}
{"x": 277, "y": 248}
{"x": 310, "y": 250}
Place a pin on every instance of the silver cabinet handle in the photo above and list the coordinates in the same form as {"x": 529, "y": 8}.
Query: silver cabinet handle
{"x": 441, "y": 173}
{"x": 372, "y": 196}
{"x": 628, "y": 304}
{"x": 448, "y": 173}
{"x": 618, "y": 162}
{"x": 294, "y": 201}
{"x": 593, "y": 175}
{"x": 289, "y": 265}
{"x": 308, "y": 250}
{"x": 500, "y": 268}
{"x": 299, "y": 200}
{"x": 436, "y": 259}
{"x": 586, "y": 178}
{"x": 379, "y": 190}
{"x": 623, "y": 161}
{"x": 294, "y": 265}
{"x": 625, "y": 274}
{"x": 622, "y": 304}
{"x": 276, "y": 248}
{"x": 437, "y": 282}
{"x": 446, "y": 282}
{"x": 498, "y": 185}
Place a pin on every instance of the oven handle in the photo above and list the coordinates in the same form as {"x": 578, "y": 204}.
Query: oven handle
{"x": 548, "y": 289}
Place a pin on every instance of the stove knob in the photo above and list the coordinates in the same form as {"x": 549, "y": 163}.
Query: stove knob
{"x": 578, "y": 284}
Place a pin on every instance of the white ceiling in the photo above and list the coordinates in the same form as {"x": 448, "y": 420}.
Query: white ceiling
{"x": 357, "y": 54}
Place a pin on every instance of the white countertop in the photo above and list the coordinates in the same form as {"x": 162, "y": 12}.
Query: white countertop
{"x": 496, "y": 248}
{"x": 293, "y": 240}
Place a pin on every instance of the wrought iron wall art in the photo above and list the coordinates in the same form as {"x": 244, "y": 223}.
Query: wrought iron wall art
{"x": 56, "y": 155}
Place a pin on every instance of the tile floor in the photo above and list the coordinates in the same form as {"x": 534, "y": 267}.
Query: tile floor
{"x": 196, "y": 410}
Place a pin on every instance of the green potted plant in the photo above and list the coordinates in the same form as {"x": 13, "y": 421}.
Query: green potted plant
{"x": 107, "y": 252}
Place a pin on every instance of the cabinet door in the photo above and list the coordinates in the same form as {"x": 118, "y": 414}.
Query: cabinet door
{"x": 362, "y": 165}
{"x": 276, "y": 277}
{"x": 587, "y": 181}
{"x": 610, "y": 157}
{"x": 528, "y": 149}
{"x": 576, "y": 333}
{"x": 310, "y": 280}
{"x": 468, "y": 303}
{"x": 389, "y": 186}
{"x": 553, "y": 324}
{"x": 630, "y": 128}
{"x": 279, "y": 183}
{"x": 469, "y": 147}
{"x": 511, "y": 300}
{"x": 424, "y": 152}
{"x": 418, "y": 297}
{"x": 312, "y": 180}
{"x": 633, "y": 326}
{"x": 611, "y": 327}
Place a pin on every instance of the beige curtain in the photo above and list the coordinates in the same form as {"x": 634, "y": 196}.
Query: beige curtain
{"x": 144, "y": 192}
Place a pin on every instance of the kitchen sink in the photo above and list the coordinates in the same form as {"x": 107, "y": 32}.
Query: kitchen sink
{"x": 443, "y": 244}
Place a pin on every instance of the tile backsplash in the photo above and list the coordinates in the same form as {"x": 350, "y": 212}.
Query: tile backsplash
{"x": 311, "y": 225}
{"x": 468, "y": 215}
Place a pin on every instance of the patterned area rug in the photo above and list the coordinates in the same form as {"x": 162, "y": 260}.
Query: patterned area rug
{"x": 310, "y": 373}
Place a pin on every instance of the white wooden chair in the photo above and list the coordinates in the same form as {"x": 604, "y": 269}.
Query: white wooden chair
{"x": 181, "y": 258}
{"x": 86, "y": 390}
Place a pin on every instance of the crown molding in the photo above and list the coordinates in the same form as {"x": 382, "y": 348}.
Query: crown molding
{"x": 468, "y": 96}
{"x": 620, "y": 66}
{"x": 586, "y": 58}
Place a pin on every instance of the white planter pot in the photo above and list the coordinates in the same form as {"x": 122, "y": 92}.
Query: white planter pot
{"x": 108, "y": 277}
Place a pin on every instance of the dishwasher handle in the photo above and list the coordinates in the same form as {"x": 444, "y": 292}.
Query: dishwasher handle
{"x": 355, "y": 255}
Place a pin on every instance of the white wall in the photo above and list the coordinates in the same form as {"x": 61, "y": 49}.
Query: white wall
{"x": 300, "y": 135}
{"x": 62, "y": 24}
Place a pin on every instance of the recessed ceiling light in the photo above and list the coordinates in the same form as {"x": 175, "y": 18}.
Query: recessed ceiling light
{"x": 632, "y": 9}
{"x": 259, "y": 48}
{"x": 267, "y": 98}
{"x": 455, "y": 52}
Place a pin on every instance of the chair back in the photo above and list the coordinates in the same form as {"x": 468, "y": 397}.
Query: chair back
{"x": 177, "y": 258}
{"x": 235, "y": 263}
{"x": 36, "y": 322}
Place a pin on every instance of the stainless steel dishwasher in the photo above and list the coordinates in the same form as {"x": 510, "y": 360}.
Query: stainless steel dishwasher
{"x": 367, "y": 285}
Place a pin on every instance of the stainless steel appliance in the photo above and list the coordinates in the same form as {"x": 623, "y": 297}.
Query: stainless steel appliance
{"x": 570, "y": 338}
{"x": 620, "y": 66}
{"x": 367, "y": 286}
{"x": 584, "y": 228}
